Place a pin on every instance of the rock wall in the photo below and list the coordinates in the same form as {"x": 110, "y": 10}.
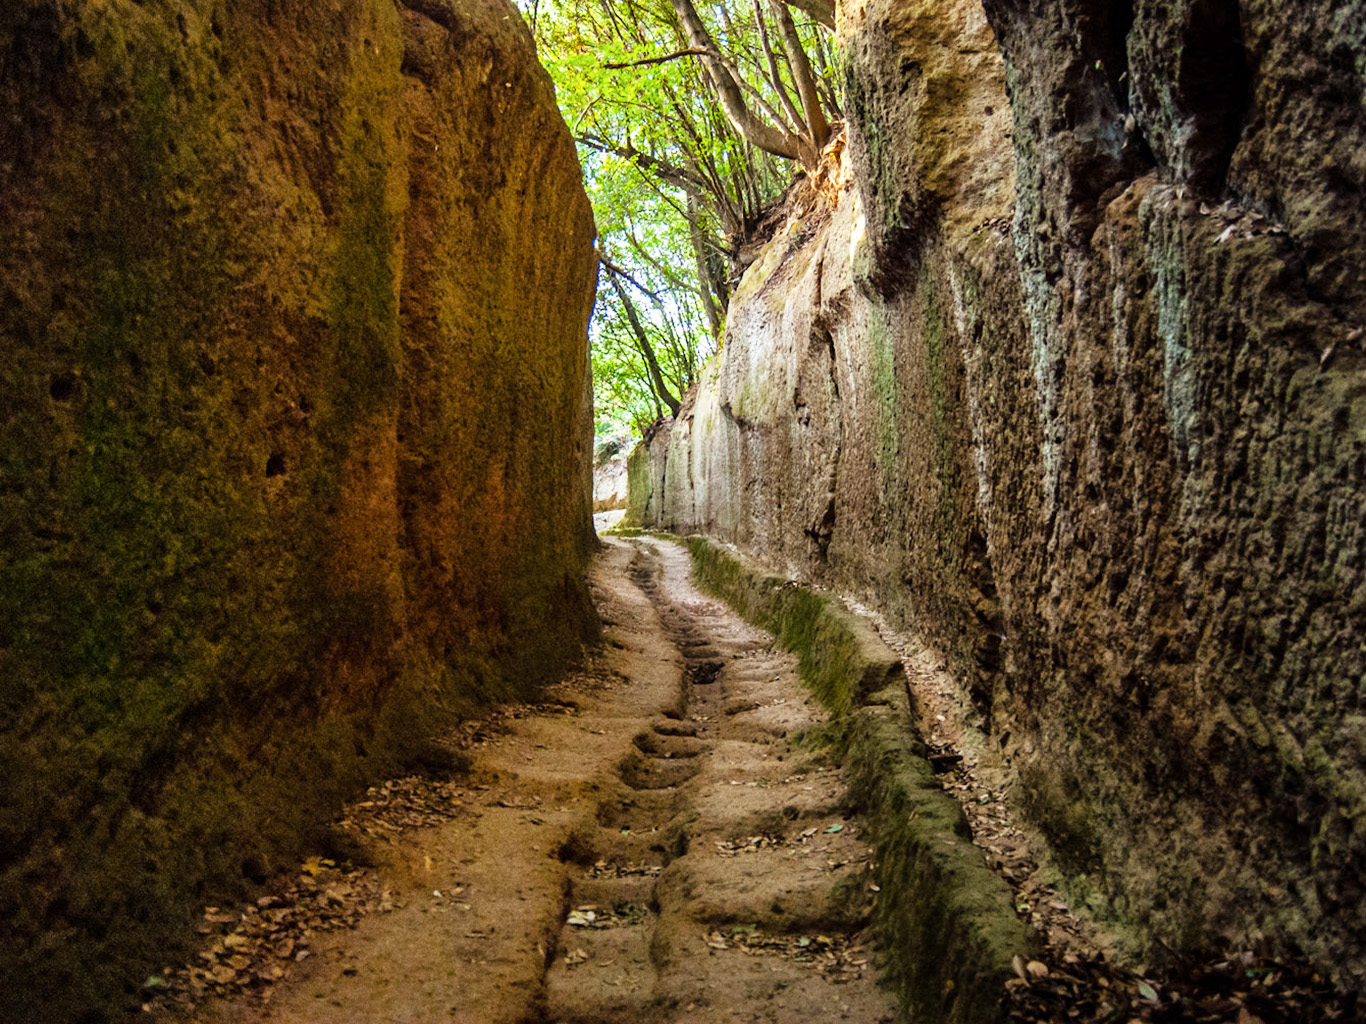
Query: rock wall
{"x": 1071, "y": 381}
{"x": 295, "y": 440}
{"x": 609, "y": 473}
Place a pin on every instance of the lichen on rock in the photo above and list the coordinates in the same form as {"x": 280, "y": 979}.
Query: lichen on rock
{"x": 1086, "y": 329}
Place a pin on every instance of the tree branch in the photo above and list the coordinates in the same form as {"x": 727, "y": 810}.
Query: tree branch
{"x": 669, "y": 172}
{"x": 704, "y": 282}
{"x": 690, "y": 52}
{"x": 823, "y": 80}
{"x": 643, "y": 340}
{"x": 616, "y": 271}
{"x": 775, "y": 76}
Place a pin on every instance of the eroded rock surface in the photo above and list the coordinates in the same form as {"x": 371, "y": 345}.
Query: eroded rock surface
{"x": 609, "y": 473}
{"x": 294, "y": 429}
{"x": 1070, "y": 382}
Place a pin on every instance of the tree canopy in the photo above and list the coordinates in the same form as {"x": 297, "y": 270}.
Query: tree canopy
{"x": 689, "y": 123}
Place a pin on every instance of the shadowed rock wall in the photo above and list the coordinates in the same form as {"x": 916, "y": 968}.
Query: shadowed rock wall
{"x": 294, "y": 439}
{"x": 1071, "y": 381}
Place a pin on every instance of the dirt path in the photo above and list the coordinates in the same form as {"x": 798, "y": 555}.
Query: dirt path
{"x": 650, "y": 847}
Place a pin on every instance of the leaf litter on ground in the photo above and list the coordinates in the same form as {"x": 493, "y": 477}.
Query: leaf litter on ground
{"x": 1077, "y": 977}
{"x": 250, "y": 948}
{"x": 254, "y": 947}
{"x": 837, "y": 957}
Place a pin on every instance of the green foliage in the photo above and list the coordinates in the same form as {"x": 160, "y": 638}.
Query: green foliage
{"x": 675, "y": 188}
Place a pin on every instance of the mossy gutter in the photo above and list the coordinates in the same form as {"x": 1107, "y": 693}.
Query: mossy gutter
{"x": 946, "y": 923}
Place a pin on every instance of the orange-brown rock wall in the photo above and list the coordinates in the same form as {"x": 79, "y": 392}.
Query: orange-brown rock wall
{"x": 294, "y": 439}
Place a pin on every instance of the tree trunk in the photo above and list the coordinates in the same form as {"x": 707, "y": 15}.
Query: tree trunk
{"x": 728, "y": 90}
{"x": 703, "y": 278}
{"x": 804, "y": 77}
{"x": 646, "y": 349}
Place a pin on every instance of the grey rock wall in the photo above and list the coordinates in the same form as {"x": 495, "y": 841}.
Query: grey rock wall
{"x": 1071, "y": 380}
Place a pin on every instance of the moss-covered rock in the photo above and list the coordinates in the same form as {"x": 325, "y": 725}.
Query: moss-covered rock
{"x": 293, "y": 445}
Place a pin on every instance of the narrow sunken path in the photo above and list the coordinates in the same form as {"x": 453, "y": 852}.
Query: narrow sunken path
{"x": 650, "y": 846}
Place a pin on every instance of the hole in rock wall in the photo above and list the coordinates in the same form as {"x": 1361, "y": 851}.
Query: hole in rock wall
{"x": 62, "y": 388}
{"x": 1213, "y": 84}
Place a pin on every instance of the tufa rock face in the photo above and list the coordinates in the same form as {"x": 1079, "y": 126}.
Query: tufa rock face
{"x": 1070, "y": 381}
{"x": 609, "y": 473}
{"x": 294, "y": 442}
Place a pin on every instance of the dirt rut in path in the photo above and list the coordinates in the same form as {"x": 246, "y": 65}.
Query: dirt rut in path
{"x": 659, "y": 851}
